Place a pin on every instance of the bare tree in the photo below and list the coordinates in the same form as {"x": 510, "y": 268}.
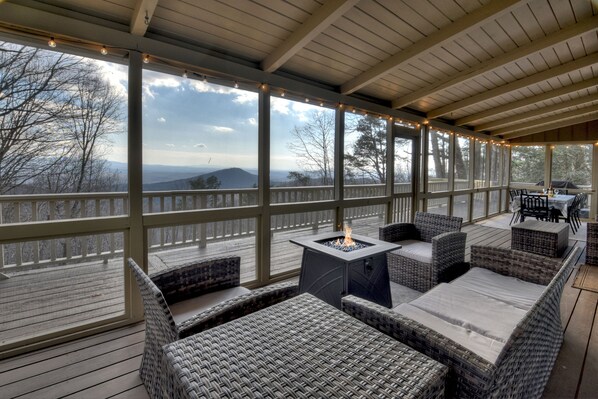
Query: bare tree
{"x": 313, "y": 144}
{"x": 33, "y": 97}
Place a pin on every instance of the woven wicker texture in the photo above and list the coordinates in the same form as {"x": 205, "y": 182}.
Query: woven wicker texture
{"x": 160, "y": 328}
{"x": 524, "y": 366}
{"x": 448, "y": 249}
{"x": 300, "y": 348}
{"x": 592, "y": 247}
{"x": 543, "y": 238}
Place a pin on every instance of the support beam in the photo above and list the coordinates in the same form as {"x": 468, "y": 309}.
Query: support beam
{"x": 544, "y": 121}
{"x": 320, "y": 20}
{"x": 142, "y": 15}
{"x": 552, "y": 126}
{"x": 460, "y": 27}
{"x": 532, "y": 114}
{"x": 553, "y": 39}
{"x": 516, "y": 85}
{"x": 563, "y": 91}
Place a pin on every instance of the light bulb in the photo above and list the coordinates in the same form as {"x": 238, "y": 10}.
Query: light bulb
{"x": 282, "y": 94}
{"x": 236, "y": 85}
{"x": 306, "y": 99}
{"x": 52, "y": 42}
{"x": 185, "y": 74}
{"x": 205, "y": 79}
{"x": 146, "y": 59}
{"x": 321, "y": 104}
{"x": 104, "y": 50}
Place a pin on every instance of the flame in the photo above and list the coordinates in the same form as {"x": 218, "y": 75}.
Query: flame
{"x": 348, "y": 241}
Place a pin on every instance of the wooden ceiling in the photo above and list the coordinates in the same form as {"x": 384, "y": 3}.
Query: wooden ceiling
{"x": 506, "y": 68}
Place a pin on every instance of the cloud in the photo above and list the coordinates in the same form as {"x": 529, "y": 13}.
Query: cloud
{"x": 223, "y": 129}
{"x": 155, "y": 79}
{"x": 245, "y": 97}
{"x": 279, "y": 105}
{"x": 206, "y": 87}
{"x": 161, "y": 119}
{"x": 252, "y": 121}
{"x": 170, "y": 145}
{"x": 117, "y": 75}
{"x": 200, "y": 145}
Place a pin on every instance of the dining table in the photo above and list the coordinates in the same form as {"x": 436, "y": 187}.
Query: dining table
{"x": 559, "y": 202}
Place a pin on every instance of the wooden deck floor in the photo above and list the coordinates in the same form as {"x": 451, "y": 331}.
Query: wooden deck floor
{"x": 105, "y": 365}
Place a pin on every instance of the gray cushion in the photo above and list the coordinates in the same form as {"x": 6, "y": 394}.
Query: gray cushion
{"x": 184, "y": 310}
{"x": 415, "y": 249}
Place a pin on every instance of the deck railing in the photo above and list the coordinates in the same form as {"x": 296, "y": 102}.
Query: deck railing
{"x": 44, "y": 207}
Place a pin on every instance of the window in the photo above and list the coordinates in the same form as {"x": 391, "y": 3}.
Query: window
{"x": 201, "y": 138}
{"x": 301, "y": 151}
{"x": 572, "y": 166}
{"x": 527, "y": 164}
{"x": 438, "y": 160}
{"x": 365, "y": 156}
{"x": 403, "y": 165}
{"x": 462, "y": 163}
{"x": 479, "y": 168}
{"x": 495, "y": 164}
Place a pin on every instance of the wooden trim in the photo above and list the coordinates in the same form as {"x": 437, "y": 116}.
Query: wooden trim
{"x": 516, "y": 85}
{"x": 586, "y": 84}
{"x": 263, "y": 236}
{"x": 339, "y": 165}
{"x": 552, "y": 39}
{"x": 143, "y": 9}
{"x": 321, "y": 19}
{"x": 539, "y": 112}
{"x": 460, "y": 27}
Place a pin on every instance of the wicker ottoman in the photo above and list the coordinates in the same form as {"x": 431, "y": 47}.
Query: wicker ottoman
{"x": 542, "y": 238}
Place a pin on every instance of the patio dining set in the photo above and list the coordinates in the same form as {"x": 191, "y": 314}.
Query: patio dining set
{"x": 208, "y": 337}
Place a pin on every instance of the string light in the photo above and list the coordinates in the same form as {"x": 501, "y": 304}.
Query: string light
{"x": 104, "y": 50}
{"x": 52, "y": 42}
{"x": 146, "y": 59}
{"x": 306, "y": 99}
{"x": 353, "y": 110}
{"x": 205, "y": 79}
{"x": 341, "y": 106}
{"x": 236, "y": 85}
{"x": 185, "y": 74}
{"x": 263, "y": 86}
{"x": 282, "y": 94}
{"x": 321, "y": 103}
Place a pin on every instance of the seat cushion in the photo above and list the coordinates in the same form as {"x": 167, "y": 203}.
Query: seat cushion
{"x": 184, "y": 310}
{"x": 511, "y": 290}
{"x": 414, "y": 249}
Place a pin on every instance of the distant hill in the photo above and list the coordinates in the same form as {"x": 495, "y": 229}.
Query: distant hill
{"x": 229, "y": 178}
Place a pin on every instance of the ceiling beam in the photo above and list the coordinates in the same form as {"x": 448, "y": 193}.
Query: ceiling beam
{"x": 588, "y": 116}
{"x": 516, "y": 85}
{"x": 319, "y": 20}
{"x": 587, "y": 25}
{"x": 511, "y": 120}
{"x": 142, "y": 15}
{"x": 461, "y": 26}
{"x": 563, "y": 91}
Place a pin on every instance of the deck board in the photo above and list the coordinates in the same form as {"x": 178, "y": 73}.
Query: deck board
{"x": 105, "y": 365}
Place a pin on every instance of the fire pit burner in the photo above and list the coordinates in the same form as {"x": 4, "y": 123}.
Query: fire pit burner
{"x": 339, "y": 244}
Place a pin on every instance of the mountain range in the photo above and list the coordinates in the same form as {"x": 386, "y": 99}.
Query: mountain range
{"x": 228, "y": 178}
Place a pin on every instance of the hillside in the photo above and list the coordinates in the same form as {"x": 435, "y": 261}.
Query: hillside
{"x": 229, "y": 178}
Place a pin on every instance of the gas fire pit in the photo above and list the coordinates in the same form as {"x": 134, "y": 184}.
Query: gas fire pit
{"x": 338, "y": 263}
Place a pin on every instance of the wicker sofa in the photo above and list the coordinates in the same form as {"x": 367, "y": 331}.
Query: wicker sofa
{"x": 518, "y": 366}
{"x": 432, "y": 247}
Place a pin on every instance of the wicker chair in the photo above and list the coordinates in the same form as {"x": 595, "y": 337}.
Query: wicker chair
{"x": 592, "y": 244}
{"x": 524, "y": 364}
{"x": 422, "y": 266}
{"x": 202, "y": 285}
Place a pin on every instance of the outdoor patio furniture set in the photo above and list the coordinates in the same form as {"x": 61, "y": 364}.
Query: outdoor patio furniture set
{"x": 493, "y": 331}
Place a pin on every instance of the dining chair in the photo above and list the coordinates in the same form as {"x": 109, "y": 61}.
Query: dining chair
{"x": 516, "y": 211}
{"x": 535, "y": 206}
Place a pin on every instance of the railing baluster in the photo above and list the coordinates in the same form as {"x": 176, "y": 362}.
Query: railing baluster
{"x": 18, "y": 254}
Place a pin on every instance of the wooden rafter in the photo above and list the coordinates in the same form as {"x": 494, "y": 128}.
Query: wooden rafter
{"x": 320, "y": 20}
{"x": 563, "y": 91}
{"x": 142, "y": 15}
{"x": 463, "y": 25}
{"x": 555, "y": 125}
{"x": 553, "y": 39}
{"x": 535, "y": 113}
{"x": 516, "y": 85}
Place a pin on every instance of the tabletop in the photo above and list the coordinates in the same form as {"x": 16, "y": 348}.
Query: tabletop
{"x": 559, "y": 201}
{"x": 302, "y": 348}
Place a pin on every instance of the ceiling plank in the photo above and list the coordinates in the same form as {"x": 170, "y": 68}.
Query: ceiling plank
{"x": 516, "y": 85}
{"x": 549, "y": 95}
{"x": 585, "y": 115}
{"x": 144, "y": 10}
{"x": 538, "y": 112}
{"x": 320, "y": 20}
{"x": 429, "y": 43}
{"x": 563, "y": 35}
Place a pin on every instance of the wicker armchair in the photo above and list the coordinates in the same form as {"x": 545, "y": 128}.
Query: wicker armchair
{"x": 524, "y": 364}
{"x": 202, "y": 285}
{"x": 422, "y": 266}
{"x": 592, "y": 244}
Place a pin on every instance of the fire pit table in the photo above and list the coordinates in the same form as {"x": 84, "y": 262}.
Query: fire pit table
{"x": 331, "y": 270}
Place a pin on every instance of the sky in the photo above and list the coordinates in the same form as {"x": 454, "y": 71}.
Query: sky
{"x": 188, "y": 122}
